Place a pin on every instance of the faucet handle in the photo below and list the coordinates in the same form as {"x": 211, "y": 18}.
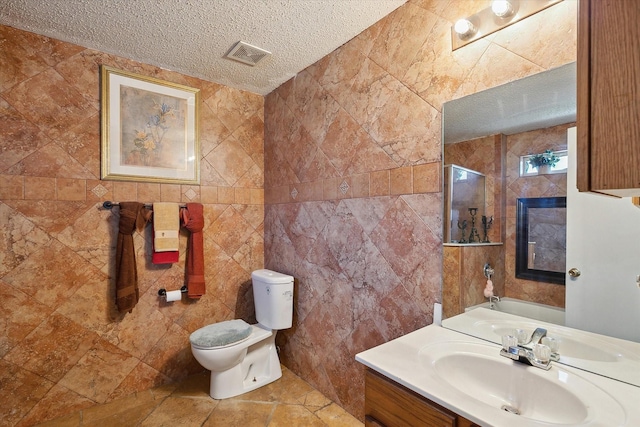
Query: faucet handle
{"x": 552, "y": 343}
{"x": 509, "y": 341}
{"x": 541, "y": 353}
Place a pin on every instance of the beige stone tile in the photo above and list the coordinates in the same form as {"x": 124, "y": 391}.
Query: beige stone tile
{"x": 288, "y": 389}
{"x": 20, "y": 391}
{"x": 142, "y": 377}
{"x": 345, "y": 190}
{"x": 330, "y": 189}
{"x": 488, "y": 71}
{"x": 294, "y": 415}
{"x": 257, "y": 196}
{"x": 401, "y": 180}
{"x": 20, "y": 239}
{"x": 59, "y": 401}
{"x": 427, "y": 178}
{"x": 243, "y": 196}
{"x": 230, "y": 160}
{"x": 208, "y": 194}
{"x": 334, "y": 416}
{"x": 99, "y": 412}
{"x": 315, "y": 400}
{"x": 49, "y": 100}
{"x": 170, "y": 193}
{"x": 11, "y": 187}
{"x": 39, "y": 188}
{"x": 195, "y": 386}
{"x": 122, "y": 417}
{"x": 226, "y": 195}
{"x": 230, "y": 412}
{"x": 379, "y": 183}
{"x": 72, "y": 420}
{"x": 13, "y": 125}
{"x": 190, "y": 193}
{"x": 20, "y": 315}
{"x": 125, "y": 191}
{"x": 148, "y": 192}
{"x": 71, "y": 189}
{"x": 404, "y": 32}
{"x": 360, "y": 185}
{"x": 557, "y": 23}
{"x": 189, "y": 412}
{"x": 99, "y": 371}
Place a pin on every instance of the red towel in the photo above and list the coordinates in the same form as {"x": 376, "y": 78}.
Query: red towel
{"x": 169, "y": 257}
{"x": 193, "y": 220}
{"x": 133, "y": 215}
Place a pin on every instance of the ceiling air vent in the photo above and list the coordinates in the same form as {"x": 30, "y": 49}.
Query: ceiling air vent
{"x": 247, "y": 54}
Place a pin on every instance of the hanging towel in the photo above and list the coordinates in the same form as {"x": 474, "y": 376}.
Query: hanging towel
{"x": 166, "y": 225}
{"x": 133, "y": 215}
{"x": 193, "y": 220}
{"x": 169, "y": 257}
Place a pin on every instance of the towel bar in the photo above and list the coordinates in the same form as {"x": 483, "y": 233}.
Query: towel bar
{"x": 109, "y": 204}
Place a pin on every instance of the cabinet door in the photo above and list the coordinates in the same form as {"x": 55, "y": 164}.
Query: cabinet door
{"x": 609, "y": 97}
{"x": 391, "y": 405}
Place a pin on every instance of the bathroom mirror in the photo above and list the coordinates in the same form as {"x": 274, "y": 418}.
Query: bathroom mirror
{"x": 541, "y": 239}
{"x": 540, "y": 102}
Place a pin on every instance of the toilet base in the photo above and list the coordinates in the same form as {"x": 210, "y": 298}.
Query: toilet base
{"x": 259, "y": 367}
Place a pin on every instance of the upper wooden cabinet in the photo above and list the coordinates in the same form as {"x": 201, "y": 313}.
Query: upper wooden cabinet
{"x": 608, "y": 116}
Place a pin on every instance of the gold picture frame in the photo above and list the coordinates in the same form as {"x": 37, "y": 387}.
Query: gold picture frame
{"x": 149, "y": 129}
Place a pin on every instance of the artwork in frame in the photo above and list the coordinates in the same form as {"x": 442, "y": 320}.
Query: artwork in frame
{"x": 149, "y": 129}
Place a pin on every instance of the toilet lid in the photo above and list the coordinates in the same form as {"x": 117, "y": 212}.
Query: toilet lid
{"x": 221, "y": 334}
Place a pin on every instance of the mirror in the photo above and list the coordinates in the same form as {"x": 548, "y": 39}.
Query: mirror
{"x": 532, "y": 112}
{"x": 541, "y": 239}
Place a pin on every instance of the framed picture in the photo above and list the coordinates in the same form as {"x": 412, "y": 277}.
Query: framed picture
{"x": 149, "y": 129}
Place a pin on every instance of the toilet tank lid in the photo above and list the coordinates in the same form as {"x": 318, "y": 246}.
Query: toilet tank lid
{"x": 221, "y": 334}
{"x": 269, "y": 276}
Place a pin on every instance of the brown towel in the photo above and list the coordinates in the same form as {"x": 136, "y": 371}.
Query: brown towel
{"x": 133, "y": 215}
{"x": 193, "y": 220}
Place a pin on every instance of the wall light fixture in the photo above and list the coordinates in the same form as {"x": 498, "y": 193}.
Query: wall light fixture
{"x": 500, "y": 14}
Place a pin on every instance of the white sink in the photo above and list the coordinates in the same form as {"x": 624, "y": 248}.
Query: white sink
{"x": 556, "y": 396}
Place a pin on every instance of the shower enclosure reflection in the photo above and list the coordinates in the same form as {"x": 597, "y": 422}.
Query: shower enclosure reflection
{"x": 464, "y": 191}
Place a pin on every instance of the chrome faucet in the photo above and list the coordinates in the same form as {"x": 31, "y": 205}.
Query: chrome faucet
{"x": 532, "y": 352}
{"x": 492, "y": 300}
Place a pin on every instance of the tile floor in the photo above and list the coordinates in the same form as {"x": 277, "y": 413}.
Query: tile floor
{"x": 289, "y": 402}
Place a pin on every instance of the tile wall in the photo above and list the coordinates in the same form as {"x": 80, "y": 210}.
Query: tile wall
{"x": 352, "y": 176}
{"x": 63, "y": 346}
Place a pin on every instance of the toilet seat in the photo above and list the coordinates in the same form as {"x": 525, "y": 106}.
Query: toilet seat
{"x": 221, "y": 334}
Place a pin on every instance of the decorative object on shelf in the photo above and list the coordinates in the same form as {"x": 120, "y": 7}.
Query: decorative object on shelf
{"x": 543, "y": 161}
{"x": 486, "y": 226}
{"x": 474, "y": 237}
{"x": 462, "y": 226}
{"x": 149, "y": 129}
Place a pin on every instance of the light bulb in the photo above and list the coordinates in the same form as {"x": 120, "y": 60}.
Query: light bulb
{"x": 464, "y": 28}
{"x": 502, "y": 8}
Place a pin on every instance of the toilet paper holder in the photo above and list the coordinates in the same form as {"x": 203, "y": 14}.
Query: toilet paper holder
{"x": 163, "y": 292}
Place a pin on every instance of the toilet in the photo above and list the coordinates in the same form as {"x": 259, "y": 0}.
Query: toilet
{"x": 240, "y": 356}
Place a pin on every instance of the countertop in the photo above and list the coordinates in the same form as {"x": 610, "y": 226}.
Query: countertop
{"x": 400, "y": 360}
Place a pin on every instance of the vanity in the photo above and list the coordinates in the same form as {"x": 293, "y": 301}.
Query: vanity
{"x": 436, "y": 376}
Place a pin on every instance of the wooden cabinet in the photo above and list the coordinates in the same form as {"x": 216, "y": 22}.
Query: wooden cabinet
{"x": 389, "y": 404}
{"x": 609, "y": 97}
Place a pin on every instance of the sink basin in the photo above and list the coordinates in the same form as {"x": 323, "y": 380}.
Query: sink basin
{"x": 556, "y": 397}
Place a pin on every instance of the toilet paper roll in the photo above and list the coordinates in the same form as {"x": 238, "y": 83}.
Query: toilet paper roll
{"x": 174, "y": 296}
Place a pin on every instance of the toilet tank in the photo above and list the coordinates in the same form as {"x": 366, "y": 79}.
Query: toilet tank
{"x": 273, "y": 298}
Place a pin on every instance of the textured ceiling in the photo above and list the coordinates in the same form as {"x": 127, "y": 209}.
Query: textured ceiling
{"x": 192, "y": 36}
